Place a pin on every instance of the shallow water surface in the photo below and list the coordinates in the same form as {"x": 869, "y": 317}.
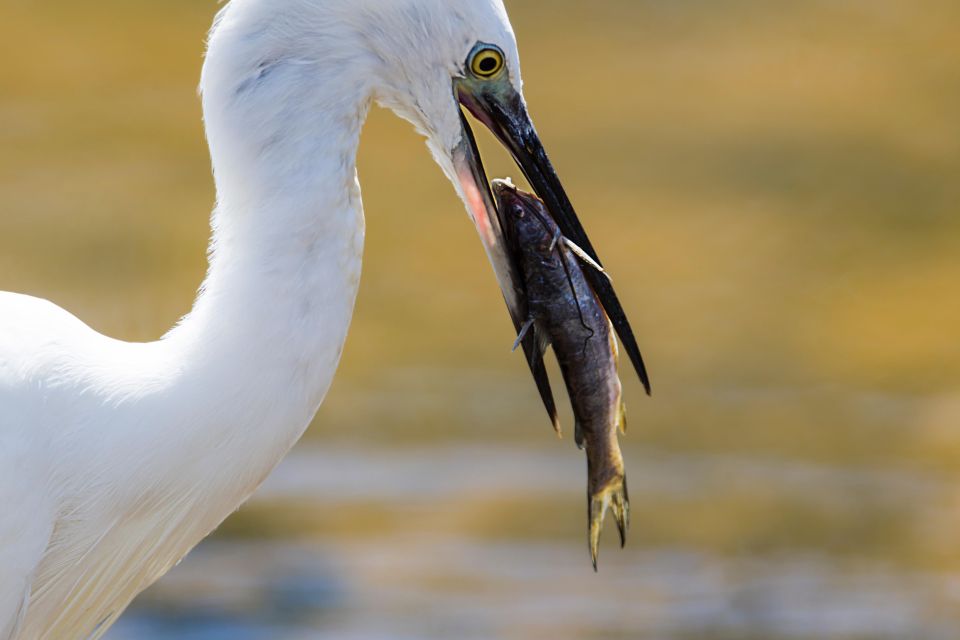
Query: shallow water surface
{"x": 415, "y": 561}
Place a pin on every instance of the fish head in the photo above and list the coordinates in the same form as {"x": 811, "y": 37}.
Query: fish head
{"x": 529, "y": 229}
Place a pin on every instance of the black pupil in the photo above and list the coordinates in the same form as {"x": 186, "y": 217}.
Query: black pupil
{"x": 488, "y": 64}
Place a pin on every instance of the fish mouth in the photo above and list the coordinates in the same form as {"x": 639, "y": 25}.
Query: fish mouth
{"x": 503, "y": 111}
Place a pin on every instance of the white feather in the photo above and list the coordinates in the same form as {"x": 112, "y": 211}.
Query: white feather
{"x": 117, "y": 458}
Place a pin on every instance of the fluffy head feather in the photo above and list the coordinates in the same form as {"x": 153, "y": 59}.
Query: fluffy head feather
{"x": 403, "y": 53}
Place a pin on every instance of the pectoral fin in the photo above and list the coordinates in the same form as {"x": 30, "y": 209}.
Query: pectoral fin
{"x": 584, "y": 257}
{"x": 524, "y": 330}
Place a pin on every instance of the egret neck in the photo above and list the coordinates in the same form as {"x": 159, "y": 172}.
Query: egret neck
{"x": 270, "y": 322}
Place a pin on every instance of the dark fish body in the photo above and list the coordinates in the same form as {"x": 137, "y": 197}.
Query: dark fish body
{"x": 566, "y": 313}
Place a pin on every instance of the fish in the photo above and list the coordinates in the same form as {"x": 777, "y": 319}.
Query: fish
{"x": 565, "y": 313}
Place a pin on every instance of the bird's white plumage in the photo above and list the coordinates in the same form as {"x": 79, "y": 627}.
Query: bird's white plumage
{"x": 117, "y": 458}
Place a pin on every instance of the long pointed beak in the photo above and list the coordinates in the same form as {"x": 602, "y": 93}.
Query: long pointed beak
{"x": 480, "y": 203}
{"x": 476, "y": 191}
{"x": 504, "y": 112}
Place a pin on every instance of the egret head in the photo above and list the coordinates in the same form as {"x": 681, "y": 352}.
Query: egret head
{"x": 435, "y": 57}
{"x": 424, "y": 49}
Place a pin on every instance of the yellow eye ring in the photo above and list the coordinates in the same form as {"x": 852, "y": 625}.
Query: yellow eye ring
{"x": 487, "y": 61}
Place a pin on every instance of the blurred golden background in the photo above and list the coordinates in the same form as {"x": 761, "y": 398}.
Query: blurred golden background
{"x": 775, "y": 188}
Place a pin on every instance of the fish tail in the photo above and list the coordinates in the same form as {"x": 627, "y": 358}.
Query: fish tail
{"x": 621, "y": 512}
{"x": 611, "y": 496}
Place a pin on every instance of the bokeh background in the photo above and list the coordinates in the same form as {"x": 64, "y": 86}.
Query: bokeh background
{"x": 775, "y": 187}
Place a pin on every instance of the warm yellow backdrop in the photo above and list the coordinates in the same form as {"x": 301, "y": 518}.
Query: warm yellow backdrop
{"x": 775, "y": 188}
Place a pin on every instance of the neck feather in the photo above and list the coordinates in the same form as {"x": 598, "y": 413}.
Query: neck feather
{"x": 288, "y": 228}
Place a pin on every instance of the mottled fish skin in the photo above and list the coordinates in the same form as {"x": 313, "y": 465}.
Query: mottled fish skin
{"x": 567, "y": 314}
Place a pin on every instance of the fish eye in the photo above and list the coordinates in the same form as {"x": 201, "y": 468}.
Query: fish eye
{"x": 486, "y": 61}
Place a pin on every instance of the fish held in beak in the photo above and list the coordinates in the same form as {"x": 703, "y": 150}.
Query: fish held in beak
{"x": 501, "y": 108}
{"x": 564, "y": 311}
{"x": 480, "y": 204}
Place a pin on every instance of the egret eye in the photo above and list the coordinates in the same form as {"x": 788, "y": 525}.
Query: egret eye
{"x": 487, "y": 61}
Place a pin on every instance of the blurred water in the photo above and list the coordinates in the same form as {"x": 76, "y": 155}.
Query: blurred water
{"x": 425, "y": 573}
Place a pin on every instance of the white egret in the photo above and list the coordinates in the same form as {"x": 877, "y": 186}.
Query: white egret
{"x": 117, "y": 458}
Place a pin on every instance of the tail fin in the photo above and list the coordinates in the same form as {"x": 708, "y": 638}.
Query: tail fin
{"x": 613, "y": 496}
